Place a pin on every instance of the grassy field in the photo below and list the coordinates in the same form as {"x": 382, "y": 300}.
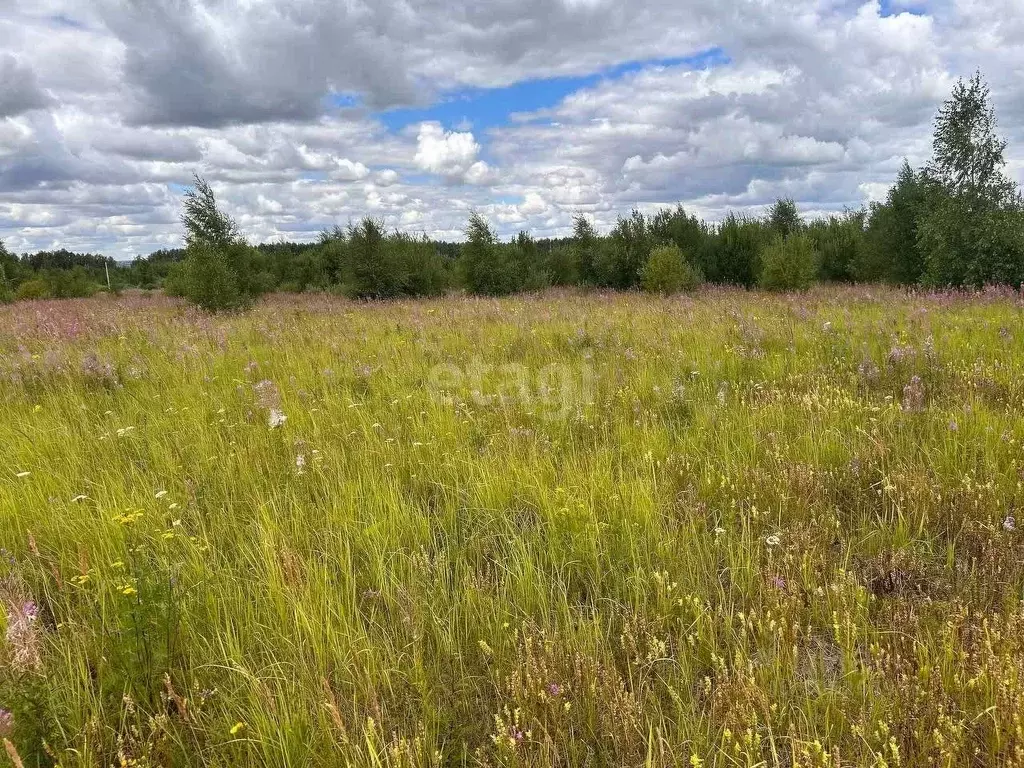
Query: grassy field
{"x": 722, "y": 530}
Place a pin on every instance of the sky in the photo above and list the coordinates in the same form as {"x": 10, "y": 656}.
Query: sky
{"x": 303, "y": 114}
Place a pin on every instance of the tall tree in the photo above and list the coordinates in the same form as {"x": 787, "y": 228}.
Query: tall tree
{"x": 784, "y": 218}
{"x": 892, "y": 252}
{"x": 584, "y": 244}
{"x": 486, "y": 268}
{"x": 973, "y": 232}
{"x": 204, "y": 222}
{"x": 968, "y": 156}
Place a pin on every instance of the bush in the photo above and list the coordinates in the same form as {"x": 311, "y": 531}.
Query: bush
{"x": 891, "y": 250}
{"x": 784, "y": 218}
{"x": 370, "y": 272}
{"x": 487, "y": 266}
{"x": 668, "y": 271}
{"x": 175, "y": 282}
{"x": 210, "y": 279}
{"x": 560, "y": 266}
{"x": 839, "y": 241}
{"x": 630, "y": 248}
{"x": 32, "y": 289}
{"x": 738, "y": 248}
{"x": 789, "y": 264}
{"x": 965, "y": 247}
{"x": 423, "y": 270}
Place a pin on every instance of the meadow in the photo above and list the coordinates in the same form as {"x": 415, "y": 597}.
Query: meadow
{"x": 566, "y": 529}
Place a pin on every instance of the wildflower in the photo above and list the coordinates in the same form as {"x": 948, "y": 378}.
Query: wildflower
{"x": 719, "y": 531}
{"x": 779, "y": 583}
{"x": 128, "y": 590}
{"x": 773, "y": 541}
{"x": 267, "y": 395}
{"x": 898, "y": 354}
{"x": 913, "y": 395}
{"x": 6, "y": 722}
{"x": 554, "y": 689}
{"x": 1010, "y": 523}
{"x": 953, "y": 427}
{"x": 276, "y": 418}
{"x": 300, "y": 463}
{"x": 868, "y": 370}
{"x": 827, "y": 326}
{"x": 161, "y": 494}
{"x": 24, "y": 636}
{"x": 236, "y": 728}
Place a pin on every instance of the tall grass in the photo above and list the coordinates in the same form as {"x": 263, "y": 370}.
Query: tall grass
{"x": 727, "y": 529}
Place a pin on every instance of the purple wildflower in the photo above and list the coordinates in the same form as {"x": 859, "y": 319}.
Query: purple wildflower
{"x": 554, "y": 689}
{"x": 913, "y": 395}
{"x": 6, "y": 722}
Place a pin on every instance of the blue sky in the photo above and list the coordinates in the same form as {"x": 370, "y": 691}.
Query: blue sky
{"x": 479, "y": 109}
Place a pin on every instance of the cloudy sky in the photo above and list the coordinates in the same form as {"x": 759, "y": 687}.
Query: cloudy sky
{"x": 307, "y": 113}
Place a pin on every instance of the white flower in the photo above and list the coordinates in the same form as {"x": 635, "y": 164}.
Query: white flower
{"x": 161, "y": 494}
{"x": 719, "y": 531}
{"x": 1010, "y": 523}
{"x": 276, "y": 418}
{"x": 773, "y": 541}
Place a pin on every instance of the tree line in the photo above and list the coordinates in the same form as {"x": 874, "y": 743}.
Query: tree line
{"x": 957, "y": 222}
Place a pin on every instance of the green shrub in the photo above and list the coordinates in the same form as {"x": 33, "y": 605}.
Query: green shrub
{"x": 668, "y": 271}
{"x": 174, "y": 283}
{"x": 421, "y": 268}
{"x": 970, "y": 247}
{"x": 784, "y": 217}
{"x": 891, "y": 251}
{"x": 35, "y": 288}
{"x": 839, "y": 241}
{"x": 737, "y": 251}
{"x": 560, "y": 265}
{"x": 210, "y": 280}
{"x": 487, "y": 266}
{"x": 631, "y": 242}
{"x": 789, "y": 264}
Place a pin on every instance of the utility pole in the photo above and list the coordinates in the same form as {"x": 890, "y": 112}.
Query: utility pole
{"x": 106, "y": 266}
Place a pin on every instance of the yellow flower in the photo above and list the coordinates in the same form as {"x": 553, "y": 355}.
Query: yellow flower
{"x": 129, "y": 590}
{"x": 236, "y": 728}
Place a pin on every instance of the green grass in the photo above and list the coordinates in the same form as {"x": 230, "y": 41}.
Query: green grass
{"x": 730, "y": 529}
